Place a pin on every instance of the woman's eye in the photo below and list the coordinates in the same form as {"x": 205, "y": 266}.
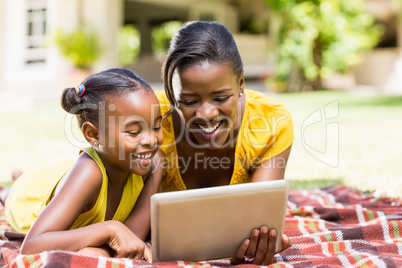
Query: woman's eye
{"x": 157, "y": 128}
{"x": 221, "y": 99}
{"x": 187, "y": 102}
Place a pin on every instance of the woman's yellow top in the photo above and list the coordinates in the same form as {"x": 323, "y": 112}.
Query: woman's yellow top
{"x": 31, "y": 193}
{"x": 266, "y": 131}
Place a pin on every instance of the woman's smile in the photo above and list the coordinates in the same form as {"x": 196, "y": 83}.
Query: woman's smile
{"x": 210, "y": 131}
{"x": 209, "y": 100}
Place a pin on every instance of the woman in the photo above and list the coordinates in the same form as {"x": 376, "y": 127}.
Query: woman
{"x": 220, "y": 133}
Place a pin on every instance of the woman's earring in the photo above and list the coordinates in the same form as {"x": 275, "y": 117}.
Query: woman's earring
{"x": 95, "y": 143}
{"x": 241, "y": 93}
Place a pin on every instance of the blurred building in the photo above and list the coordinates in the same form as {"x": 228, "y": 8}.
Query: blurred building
{"x": 382, "y": 67}
{"x": 32, "y": 67}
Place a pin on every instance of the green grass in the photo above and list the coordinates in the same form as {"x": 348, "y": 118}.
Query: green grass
{"x": 366, "y": 149}
{"x": 33, "y": 137}
{"x": 369, "y": 140}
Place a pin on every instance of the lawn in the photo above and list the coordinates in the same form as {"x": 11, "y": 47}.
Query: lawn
{"x": 361, "y": 148}
{"x": 340, "y": 138}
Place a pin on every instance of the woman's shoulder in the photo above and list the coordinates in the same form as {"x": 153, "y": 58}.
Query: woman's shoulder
{"x": 261, "y": 102}
{"x": 260, "y": 107}
{"x": 267, "y": 125}
{"x": 163, "y": 101}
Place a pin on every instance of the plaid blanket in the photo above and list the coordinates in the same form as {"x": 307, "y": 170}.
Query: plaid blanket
{"x": 330, "y": 227}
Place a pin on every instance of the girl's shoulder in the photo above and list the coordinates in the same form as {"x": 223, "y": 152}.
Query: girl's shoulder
{"x": 85, "y": 176}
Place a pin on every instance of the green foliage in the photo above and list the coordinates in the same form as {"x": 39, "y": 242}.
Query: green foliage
{"x": 321, "y": 37}
{"x": 81, "y": 47}
{"x": 129, "y": 44}
{"x": 162, "y": 35}
{"x": 398, "y": 3}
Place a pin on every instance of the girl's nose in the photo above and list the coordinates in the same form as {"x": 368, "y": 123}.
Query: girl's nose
{"x": 149, "y": 139}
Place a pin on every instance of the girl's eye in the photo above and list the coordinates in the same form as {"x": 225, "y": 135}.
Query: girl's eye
{"x": 221, "y": 99}
{"x": 133, "y": 134}
{"x": 187, "y": 102}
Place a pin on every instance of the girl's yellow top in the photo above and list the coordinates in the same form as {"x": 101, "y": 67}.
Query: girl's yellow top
{"x": 31, "y": 193}
{"x": 266, "y": 131}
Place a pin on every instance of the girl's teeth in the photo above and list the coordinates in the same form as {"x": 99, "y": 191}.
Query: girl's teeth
{"x": 209, "y": 130}
{"x": 142, "y": 156}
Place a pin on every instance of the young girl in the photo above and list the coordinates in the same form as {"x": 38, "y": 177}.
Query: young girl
{"x": 108, "y": 188}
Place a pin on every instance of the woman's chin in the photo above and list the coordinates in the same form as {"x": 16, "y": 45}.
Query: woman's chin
{"x": 211, "y": 144}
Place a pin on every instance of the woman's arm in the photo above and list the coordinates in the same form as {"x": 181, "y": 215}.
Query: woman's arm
{"x": 78, "y": 194}
{"x": 260, "y": 247}
{"x": 272, "y": 169}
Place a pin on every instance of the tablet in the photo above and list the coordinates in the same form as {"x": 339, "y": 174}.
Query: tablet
{"x": 211, "y": 223}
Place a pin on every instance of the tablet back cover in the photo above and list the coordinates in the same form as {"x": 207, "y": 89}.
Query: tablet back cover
{"x": 211, "y": 223}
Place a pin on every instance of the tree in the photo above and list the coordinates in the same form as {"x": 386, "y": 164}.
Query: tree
{"x": 81, "y": 47}
{"x": 316, "y": 38}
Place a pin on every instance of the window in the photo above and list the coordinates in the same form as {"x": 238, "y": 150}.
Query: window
{"x": 36, "y": 32}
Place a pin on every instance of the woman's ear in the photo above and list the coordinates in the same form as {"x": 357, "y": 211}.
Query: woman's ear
{"x": 90, "y": 133}
{"x": 241, "y": 84}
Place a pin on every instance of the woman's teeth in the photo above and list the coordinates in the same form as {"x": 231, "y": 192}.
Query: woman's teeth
{"x": 142, "y": 156}
{"x": 209, "y": 130}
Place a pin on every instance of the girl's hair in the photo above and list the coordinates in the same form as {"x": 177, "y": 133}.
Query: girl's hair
{"x": 198, "y": 42}
{"x": 109, "y": 83}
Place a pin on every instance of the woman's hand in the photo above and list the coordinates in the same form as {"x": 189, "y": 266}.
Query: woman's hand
{"x": 127, "y": 244}
{"x": 260, "y": 248}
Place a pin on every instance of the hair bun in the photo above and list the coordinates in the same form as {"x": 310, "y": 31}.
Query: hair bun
{"x": 70, "y": 101}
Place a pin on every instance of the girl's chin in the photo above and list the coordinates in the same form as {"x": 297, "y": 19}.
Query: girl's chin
{"x": 140, "y": 169}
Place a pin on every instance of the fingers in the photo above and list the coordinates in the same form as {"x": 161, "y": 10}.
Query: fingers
{"x": 239, "y": 257}
{"x": 148, "y": 254}
{"x": 269, "y": 256}
{"x": 286, "y": 242}
{"x": 250, "y": 253}
{"x": 262, "y": 246}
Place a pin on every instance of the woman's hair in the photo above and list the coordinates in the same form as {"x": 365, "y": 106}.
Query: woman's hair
{"x": 109, "y": 83}
{"x": 197, "y": 42}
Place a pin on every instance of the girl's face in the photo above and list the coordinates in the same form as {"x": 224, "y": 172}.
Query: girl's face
{"x": 208, "y": 100}
{"x": 132, "y": 132}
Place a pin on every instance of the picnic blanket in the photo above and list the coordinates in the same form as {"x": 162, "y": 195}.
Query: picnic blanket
{"x": 329, "y": 227}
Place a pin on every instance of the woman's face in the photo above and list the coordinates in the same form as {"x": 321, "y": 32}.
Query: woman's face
{"x": 209, "y": 101}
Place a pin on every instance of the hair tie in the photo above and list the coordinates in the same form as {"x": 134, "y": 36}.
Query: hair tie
{"x": 80, "y": 89}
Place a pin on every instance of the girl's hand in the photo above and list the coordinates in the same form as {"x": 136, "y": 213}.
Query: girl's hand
{"x": 260, "y": 248}
{"x": 95, "y": 251}
{"x": 127, "y": 244}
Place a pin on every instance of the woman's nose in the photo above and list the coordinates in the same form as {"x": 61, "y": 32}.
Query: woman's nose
{"x": 207, "y": 111}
